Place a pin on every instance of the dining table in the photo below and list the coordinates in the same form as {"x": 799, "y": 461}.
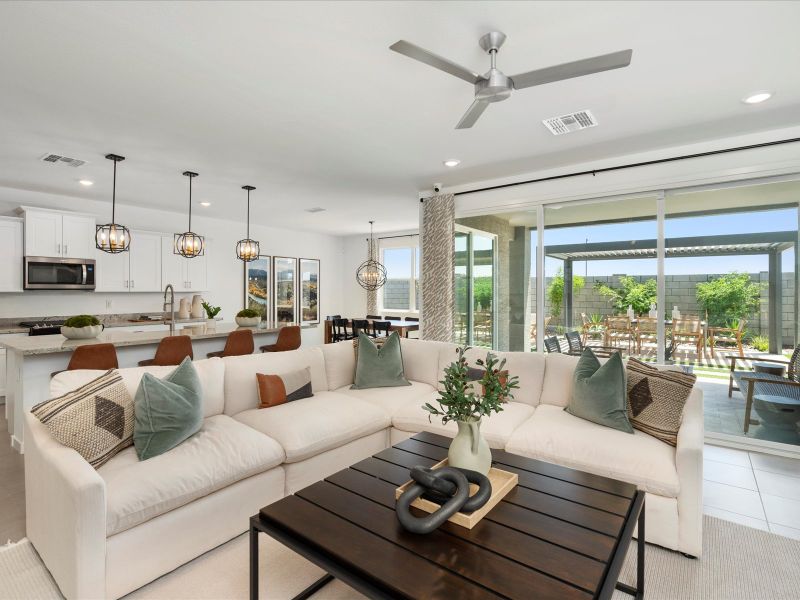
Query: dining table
{"x": 669, "y": 344}
{"x": 403, "y": 328}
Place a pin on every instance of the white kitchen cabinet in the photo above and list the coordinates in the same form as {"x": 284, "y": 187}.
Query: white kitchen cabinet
{"x": 58, "y": 234}
{"x": 11, "y": 251}
{"x": 77, "y": 236}
{"x": 185, "y": 274}
{"x": 137, "y": 270}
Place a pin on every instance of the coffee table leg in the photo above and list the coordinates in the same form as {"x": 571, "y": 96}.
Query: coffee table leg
{"x": 253, "y": 563}
{"x": 640, "y": 557}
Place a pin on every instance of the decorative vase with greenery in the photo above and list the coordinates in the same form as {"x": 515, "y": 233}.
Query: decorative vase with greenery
{"x": 461, "y": 403}
{"x": 247, "y": 317}
{"x": 211, "y": 313}
{"x": 81, "y": 327}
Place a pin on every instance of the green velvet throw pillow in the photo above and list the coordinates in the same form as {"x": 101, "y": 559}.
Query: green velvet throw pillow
{"x": 379, "y": 367}
{"x": 167, "y": 411}
{"x": 598, "y": 391}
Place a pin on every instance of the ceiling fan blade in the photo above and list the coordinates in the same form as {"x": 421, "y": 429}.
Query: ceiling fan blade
{"x": 429, "y": 58}
{"x": 578, "y": 68}
{"x": 472, "y": 114}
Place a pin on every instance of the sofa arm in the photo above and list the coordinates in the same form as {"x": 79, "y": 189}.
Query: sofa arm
{"x": 65, "y": 502}
{"x": 689, "y": 463}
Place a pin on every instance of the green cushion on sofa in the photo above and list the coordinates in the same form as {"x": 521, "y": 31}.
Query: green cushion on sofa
{"x": 167, "y": 411}
{"x": 598, "y": 392}
{"x": 379, "y": 367}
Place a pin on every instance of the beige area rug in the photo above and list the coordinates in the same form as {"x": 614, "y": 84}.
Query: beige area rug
{"x": 740, "y": 563}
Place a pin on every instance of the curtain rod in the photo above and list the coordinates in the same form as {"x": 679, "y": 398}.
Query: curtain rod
{"x": 657, "y": 161}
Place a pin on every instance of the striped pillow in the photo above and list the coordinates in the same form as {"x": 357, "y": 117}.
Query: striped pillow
{"x": 656, "y": 398}
{"x": 278, "y": 389}
{"x": 95, "y": 420}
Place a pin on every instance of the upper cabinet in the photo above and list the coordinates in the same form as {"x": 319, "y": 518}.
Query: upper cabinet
{"x": 56, "y": 234}
{"x": 11, "y": 251}
{"x": 137, "y": 270}
{"x": 185, "y": 274}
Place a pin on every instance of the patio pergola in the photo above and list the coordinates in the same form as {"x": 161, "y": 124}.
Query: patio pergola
{"x": 770, "y": 243}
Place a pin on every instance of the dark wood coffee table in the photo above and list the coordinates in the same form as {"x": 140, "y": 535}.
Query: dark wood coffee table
{"x": 559, "y": 534}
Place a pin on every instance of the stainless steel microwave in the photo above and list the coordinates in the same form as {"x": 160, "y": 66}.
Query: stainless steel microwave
{"x": 46, "y": 273}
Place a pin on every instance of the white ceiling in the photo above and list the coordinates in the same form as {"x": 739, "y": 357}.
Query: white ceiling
{"x": 306, "y": 102}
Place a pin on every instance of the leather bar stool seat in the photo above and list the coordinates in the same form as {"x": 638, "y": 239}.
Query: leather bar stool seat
{"x": 101, "y": 357}
{"x": 238, "y": 343}
{"x": 288, "y": 339}
{"x": 171, "y": 351}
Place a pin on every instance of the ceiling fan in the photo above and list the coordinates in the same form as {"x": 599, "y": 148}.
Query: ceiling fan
{"x": 494, "y": 85}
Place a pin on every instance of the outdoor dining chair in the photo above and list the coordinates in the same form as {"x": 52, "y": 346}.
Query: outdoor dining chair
{"x": 729, "y": 335}
{"x": 619, "y": 329}
{"x": 688, "y": 329}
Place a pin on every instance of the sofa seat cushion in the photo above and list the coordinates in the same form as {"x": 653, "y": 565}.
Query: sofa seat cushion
{"x": 496, "y": 429}
{"x": 392, "y": 399}
{"x": 555, "y": 436}
{"x": 220, "y": 454}
{"x": 313, "y": 425}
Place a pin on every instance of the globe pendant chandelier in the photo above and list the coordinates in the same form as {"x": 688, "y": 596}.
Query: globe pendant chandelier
{"x": 189, "y": 244}
{"x": 247, "y": 249}
{"x": 113, "y": 237}
{"x": 371, "y": 274}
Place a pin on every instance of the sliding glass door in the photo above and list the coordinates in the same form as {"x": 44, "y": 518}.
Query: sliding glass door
{"x": 475, "y": 320}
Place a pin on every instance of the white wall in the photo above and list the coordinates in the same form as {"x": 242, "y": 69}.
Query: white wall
{"x": 225, "y": 271}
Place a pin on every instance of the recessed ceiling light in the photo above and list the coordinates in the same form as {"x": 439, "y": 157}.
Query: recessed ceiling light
{"x": 205, "y": 204}
{"x": 452, "y": 162}
{"x": 86, "y": 182}
{"x": 757, "y": 97}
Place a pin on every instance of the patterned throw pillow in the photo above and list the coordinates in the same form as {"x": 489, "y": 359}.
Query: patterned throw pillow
{"x": 95, "y": 420}
{"x": 278, "y": 389}
{"x": 656, "y": 398}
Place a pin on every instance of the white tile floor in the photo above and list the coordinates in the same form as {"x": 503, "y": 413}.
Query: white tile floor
{"x": 757, "y": 490}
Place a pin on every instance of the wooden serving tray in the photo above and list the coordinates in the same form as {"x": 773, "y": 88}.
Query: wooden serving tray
{"x": 502, "y": 483}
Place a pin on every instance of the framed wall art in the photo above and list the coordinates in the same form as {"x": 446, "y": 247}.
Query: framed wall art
{"x": 309, "y": 290}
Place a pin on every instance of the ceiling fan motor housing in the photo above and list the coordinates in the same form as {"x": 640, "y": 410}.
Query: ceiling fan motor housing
{"x": 493, "y": 87}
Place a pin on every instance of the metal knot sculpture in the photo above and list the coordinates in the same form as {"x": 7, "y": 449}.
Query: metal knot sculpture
{"x": 448, "y": 487}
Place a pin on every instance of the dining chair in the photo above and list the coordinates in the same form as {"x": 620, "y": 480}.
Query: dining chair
{"x": 414, "y": 319}
{"x": 547, "y": 320}
{"x": 171, "y": 351}
{"x": 618, "y": 329}
{"x": 589, "y": 328}
{"x": 374, "y": 317}
{"x": 576, "y": 346}
{"x": 288, "y": 339}
{"x": 360, "y": 325}
{"x": 688, "y": 329}
{"x": 333, "y": 317}
{"x": 551, "y": 344}
{"x": 340, "y": 332}
{"x": 646, "y": 331}
{"x": 238, "y": 343}
{"x": 393, "y": 318}
{"x": 380, "y": 328}
{"x": 730, "y": 335}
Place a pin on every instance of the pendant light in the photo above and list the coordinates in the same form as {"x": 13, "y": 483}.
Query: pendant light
{"x": 371, "y": 274}
{"x": 112, "y": 237}
{"x": 189, "y": 244}
{"x": 247, "y": 249}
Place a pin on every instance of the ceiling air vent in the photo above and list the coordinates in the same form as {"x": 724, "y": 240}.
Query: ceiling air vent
{"x": 571, "y": 122}
{"x": 65, "y": 160}
{"x": 315, "y": 209}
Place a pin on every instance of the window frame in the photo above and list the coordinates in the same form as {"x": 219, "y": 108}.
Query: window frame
{"x": 410, "y": 242}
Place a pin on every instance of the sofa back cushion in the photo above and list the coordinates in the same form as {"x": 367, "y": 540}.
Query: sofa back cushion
{"x": 528, "y": 366}
{"x": 422, "y": 359}
{"x": 340, "y": 364}
{"x": 241, "y": 386}
{"x": 557, "y": 388}
{"x": 211, "y": 372}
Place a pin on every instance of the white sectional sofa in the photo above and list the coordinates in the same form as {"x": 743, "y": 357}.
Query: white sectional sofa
{"x": 103, "y": 533}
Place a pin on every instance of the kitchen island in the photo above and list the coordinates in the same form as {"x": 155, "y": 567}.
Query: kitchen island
{"x": 30, "y": 360}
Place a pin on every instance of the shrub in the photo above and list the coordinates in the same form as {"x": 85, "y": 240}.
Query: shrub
{"x": 760, "y": 343}
{"x": 81, "y": 321}
{"x": 630, "y": 293}
{"x": 731, "y": 296}
{"x": 248, "y": 313}
{"x": 555, "y": 291}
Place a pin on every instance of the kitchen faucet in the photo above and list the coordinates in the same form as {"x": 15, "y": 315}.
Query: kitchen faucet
{"x": 171, "y": 305}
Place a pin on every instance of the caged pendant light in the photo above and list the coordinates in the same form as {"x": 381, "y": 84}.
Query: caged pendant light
{"x": 112, "y": 237}
{"x": 189, "y": 244}
{"x": 371, "y": 274}
{"x": 247, "y": 249}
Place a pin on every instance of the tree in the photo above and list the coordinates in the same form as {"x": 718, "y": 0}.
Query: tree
{"x": 555, "y": 291}
{"x": 482, "y": 291}
{"x": 630, "y": 293}
{"x": 731, "y": 296}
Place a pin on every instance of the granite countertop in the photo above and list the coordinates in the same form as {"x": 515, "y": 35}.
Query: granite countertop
{"x": 51, "y": 344}
{"x": 122, "y": 320}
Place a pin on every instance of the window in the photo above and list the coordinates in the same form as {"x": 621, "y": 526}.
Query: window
{"x": 401, "y": 258}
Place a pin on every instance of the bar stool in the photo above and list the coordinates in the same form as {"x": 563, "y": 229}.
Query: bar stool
{"x": 92, "y": 356}
{"x": 171, "y": 351}
{"x": 238, "y": 343}
{"x": 288, "y": 339}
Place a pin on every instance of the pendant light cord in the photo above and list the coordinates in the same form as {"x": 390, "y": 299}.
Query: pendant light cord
{"x": 114, "y": 196}
{"x": 248, "y": 214}
{"x": 190, "y": 203}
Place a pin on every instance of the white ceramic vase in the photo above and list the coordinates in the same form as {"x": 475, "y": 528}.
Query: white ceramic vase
{"x": 469, "y": 450}
{"x": 184, "y": 311}
{"x": 197, "y": 307}
{"x": 81, "y": 333}
{"x": 248, "y": 321}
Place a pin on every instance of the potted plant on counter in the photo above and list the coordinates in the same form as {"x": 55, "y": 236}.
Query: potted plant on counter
{"x": 461, "y": 402}
{"x": 248, "y": 317}
{"x": 211, "y": 313}
{"x": 81, "y": 327}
